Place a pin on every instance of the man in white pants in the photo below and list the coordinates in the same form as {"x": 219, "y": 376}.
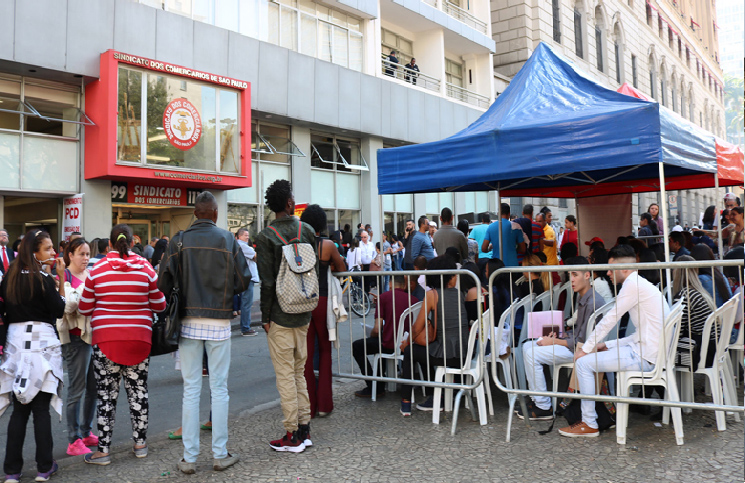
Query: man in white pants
{"x": 553, "y": 350}
{"x": 647, "y": 310}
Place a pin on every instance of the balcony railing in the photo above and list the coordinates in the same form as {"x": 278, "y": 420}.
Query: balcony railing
{"x": 459, "y": 14}
{"x": 466, "y": 96}
{"x": 400, "y": 72}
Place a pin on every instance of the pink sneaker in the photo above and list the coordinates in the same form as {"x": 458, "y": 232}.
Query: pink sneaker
{"x": 90, "y": 440}
{"x": 77, "y": 448}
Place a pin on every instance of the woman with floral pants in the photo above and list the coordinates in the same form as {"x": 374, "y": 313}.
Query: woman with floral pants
{"x": 121, "y": 294}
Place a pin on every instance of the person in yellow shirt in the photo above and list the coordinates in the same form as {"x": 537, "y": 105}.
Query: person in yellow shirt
{"x": 548, "y": 243}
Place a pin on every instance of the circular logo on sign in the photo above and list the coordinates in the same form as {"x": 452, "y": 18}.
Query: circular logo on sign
{"x": 182, "y": 124}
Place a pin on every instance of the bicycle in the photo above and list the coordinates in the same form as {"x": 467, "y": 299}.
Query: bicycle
{"x": 360, "y": 302}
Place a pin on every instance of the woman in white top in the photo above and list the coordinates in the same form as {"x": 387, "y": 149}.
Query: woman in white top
{"x": 354, "y": 260}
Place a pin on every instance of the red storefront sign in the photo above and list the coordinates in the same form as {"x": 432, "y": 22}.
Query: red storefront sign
{"x": 102, "y": 154}
{"x": 155, "y": 195}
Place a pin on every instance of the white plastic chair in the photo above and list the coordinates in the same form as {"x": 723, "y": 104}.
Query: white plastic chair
{"x": 594, "y": 318}
{"x": 663, "y": 374}
{"x": 526, "y": 304}
{"x": 504, "y": 362}
{"x": 737, "y": 350}
{"x": 392, "y": 359}
{"x": 542, "y": 302}
{"x": 470, "y": 370}
{"x": 564, "y": 288}
{"x": 720, "y": 377}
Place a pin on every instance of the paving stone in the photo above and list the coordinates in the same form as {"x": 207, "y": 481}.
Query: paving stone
{"x": 367, "y": 441}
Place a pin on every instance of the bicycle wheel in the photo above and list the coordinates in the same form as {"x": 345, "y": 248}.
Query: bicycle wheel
{"x": 361, "y": 302}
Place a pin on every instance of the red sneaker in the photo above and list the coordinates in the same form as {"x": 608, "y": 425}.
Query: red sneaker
{"x": 289, "y": 442}
{"x": 90, "y": 440}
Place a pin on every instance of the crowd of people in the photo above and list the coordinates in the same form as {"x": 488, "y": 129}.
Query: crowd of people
{"x": 88, "y": 312}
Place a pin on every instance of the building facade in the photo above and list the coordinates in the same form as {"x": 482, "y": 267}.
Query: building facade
{"x": 139, "y": 105}
{"x": 668, "y": 49}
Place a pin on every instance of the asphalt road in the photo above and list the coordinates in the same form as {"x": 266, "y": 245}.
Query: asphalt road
{"x": 251, "y": 383}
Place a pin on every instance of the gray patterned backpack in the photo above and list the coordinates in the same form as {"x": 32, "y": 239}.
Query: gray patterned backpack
{"x": 297, "y": 281}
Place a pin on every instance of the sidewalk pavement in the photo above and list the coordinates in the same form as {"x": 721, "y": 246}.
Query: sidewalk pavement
{"x": 364, "y": 441}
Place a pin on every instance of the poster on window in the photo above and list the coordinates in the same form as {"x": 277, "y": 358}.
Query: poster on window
{"x": 72, "y": 211}
{"x": 182, "y": 124}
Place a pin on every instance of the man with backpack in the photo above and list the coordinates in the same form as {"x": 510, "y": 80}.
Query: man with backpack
{"x": 288, "y": 270}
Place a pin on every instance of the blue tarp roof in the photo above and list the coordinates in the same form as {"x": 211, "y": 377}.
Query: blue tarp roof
{"x": 551, "y": 127}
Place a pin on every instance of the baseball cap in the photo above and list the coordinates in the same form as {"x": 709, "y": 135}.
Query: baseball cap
{"x": 432, "y": 223}
{"x": 595, "y": 239}
{"x": 730, "y": 196}
{"x": 677, "y": 228}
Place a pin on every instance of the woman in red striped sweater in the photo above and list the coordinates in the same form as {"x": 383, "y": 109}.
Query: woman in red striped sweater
{"x": 121, "y": 293}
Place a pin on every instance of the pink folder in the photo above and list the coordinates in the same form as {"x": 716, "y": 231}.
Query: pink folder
{"x": 543, "y": 323}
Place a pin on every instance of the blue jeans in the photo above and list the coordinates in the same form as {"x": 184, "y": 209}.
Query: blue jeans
{"x": 218, "y": 361}
{"x": 82, "y": 385}
{"x": 236, "y": 303}
{"x": 247, "y": 300}
{"x": 386, "y": 278}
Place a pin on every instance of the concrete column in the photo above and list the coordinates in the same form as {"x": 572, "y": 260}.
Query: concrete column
{"x": 301, "y": 172}
{"x": 2, "y": 211}
{"x": 420, "y": 206}
{"x": 369, "y": 202}
{"x": 97, "y": 212}
{"x": 221, "y": 196}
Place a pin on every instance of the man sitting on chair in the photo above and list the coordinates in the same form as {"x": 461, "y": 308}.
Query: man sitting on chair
{"x": 637, "y": 352}
{"x": 555, "y": 350}
{"x": 392, "y": 304}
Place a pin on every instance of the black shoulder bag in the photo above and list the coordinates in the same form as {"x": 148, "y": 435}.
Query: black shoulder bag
{"x": 167, "y": 325}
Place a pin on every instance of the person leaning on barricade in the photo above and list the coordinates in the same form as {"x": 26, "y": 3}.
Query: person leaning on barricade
{"x": 647, "y": 311}
{"x": 382, "y": 337}
{"x": 450, "y": 330}
{"x": 553, "y": 349}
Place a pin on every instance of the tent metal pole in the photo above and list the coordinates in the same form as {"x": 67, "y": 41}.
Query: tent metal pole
{"x": 720, "y": 242}
{"x": 579, "y": 240}
{"x": 499, "y": 220}
{"x": 380, "y": 234}
{"x": 666, "y": 241}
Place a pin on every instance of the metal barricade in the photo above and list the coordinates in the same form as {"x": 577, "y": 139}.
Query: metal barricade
{"x": 719, "y": 320}
{"x": 363, "y": 301}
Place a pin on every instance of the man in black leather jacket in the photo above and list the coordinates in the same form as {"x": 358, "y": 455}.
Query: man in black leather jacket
{"x": 210, "y": 268}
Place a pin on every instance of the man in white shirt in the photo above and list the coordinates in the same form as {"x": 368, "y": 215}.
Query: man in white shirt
{"x": 647, "y": 310}
{"x": 367, "y": 253}
{"x": 247, "y": 297}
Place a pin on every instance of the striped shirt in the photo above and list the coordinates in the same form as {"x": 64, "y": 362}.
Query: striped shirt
{"x": 122, "y": 294}
{"x": 536, "y": 237}
{"x": 695, "y": 312}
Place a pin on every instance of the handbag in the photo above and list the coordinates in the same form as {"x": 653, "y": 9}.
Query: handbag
{"x": 167, "y": 325}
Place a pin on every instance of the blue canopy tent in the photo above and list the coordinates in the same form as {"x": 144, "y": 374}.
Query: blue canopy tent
{"x": 555, "y": 132}
{"x": 551, "y": 128}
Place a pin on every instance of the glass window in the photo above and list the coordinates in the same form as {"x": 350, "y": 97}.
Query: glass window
{"x": 10, "y": 155}
{"x": 219, "y": 135}
{"x": 308, "y": 35}
{"x": 49, "y": 164}
{"x": 273, "y": 23}
{"x": 324, "y": 42}
{"x": 230, "y": 159}
{"x": 453, "y": 73}
{"x": 243, "y": 216}
{"x": 404, "y": 48}
{"x": 322, "y": 187}
{"x": 578, "y": 34}
{"x": 355, "y": 51}
{"x": 129, "y": 115}
{"x": 324, "y": 153}
{"x": 341, "y": 56}
{"x": 330, "y": 221}
{"x": 181, "y": 7}
{"x": 288, "y": 33}
{"x": 55, "y": 106}
{"x": 10, "y": 105}
{"x": 204, "y": 11}
{"x": 226, "y": 15}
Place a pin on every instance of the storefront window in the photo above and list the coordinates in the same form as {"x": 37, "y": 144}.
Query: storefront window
{"x": 182, "y": 122}
{"x": 129, "y": 117}
{"x": 243, "y": 216}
